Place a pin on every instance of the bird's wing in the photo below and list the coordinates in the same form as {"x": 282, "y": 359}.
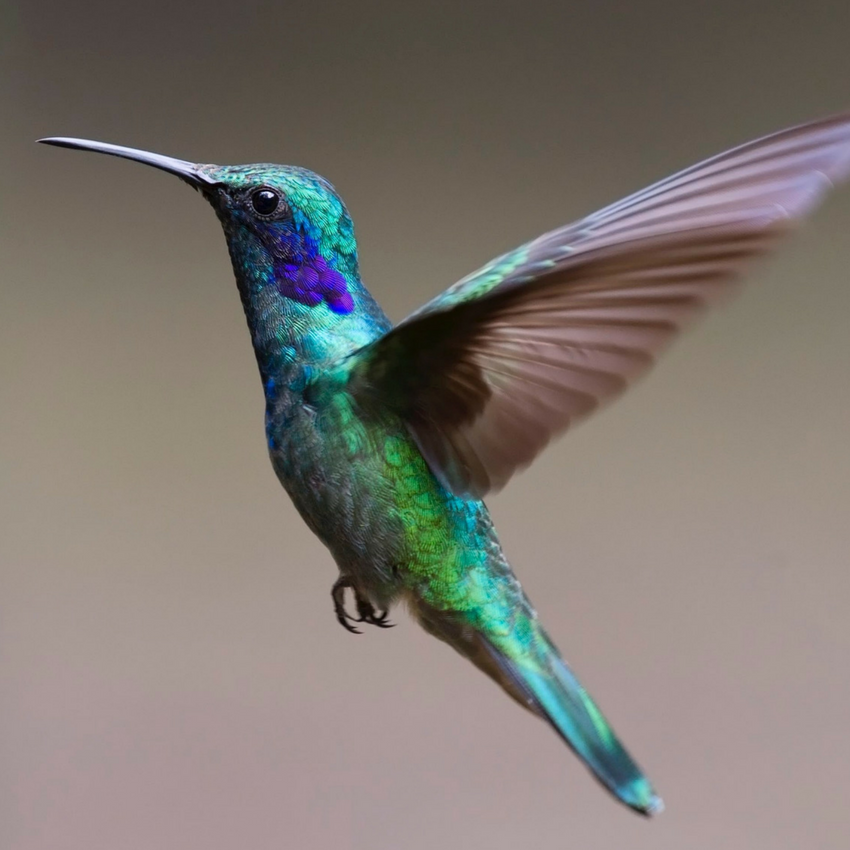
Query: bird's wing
{"x": 489, "y": 371}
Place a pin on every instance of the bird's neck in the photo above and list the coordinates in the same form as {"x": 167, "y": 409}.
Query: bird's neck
{"x": 294, "y": 335}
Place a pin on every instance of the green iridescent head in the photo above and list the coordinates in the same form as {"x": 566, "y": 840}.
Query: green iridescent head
{"x": 286, "y": 227}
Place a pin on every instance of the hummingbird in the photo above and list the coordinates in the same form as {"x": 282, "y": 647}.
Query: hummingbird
{"x": 387, "y": 438}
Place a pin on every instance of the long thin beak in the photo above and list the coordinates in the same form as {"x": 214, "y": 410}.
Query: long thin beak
{"x": 188, "y": 171}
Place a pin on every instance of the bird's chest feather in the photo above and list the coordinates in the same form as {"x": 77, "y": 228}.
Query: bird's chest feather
{"x": 334, "y": 467}
{"x": 365, "y": 490}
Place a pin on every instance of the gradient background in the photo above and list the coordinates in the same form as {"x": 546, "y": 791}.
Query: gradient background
{"x": 172, "y": 674}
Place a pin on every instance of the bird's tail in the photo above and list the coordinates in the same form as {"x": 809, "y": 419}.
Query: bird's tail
{"x": 542, "y": 680}
{"x": 525, "y": 662}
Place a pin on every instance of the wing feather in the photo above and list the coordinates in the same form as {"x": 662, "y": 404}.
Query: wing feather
{"x": 487, "y": 373}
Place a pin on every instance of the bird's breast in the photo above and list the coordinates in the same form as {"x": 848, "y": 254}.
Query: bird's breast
{"x": 365, "y": 490}
{"x": 333, "y": 466}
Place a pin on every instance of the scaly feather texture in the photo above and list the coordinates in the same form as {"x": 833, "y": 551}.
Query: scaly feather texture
{"x": 386, "y": 438}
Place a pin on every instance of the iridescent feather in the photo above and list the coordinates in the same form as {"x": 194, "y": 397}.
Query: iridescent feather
{"x": 386, "y": 438}
{"x": 489, "y": 371}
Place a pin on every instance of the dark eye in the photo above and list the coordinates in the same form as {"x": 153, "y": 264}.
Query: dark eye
{"x": 265, "y": 201}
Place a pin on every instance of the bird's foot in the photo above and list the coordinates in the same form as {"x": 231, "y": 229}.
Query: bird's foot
{"x": 338, "y": 596}
{"x": 369, "y": 615}
{"x": 365, "y": 610}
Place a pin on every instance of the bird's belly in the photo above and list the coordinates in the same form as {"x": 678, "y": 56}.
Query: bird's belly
{"x": 336, "y": 475}
{"x": 367, "y": 493}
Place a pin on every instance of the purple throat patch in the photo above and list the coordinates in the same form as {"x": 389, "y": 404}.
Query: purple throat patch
{"x": 313, "y": 281}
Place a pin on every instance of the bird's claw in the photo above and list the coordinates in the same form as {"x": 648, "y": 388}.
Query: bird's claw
{"x": 338, "y": 596}
{"x": 365, "y": 610}
{"x": 369, "y": 615}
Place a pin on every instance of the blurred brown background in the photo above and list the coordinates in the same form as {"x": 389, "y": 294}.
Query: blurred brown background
{"x": 172, "y": 674}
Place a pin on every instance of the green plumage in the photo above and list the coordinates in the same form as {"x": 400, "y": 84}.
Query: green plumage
{"x": 401, "y": 535}
{"x": 386, "y": 438}
{"x": 359, "y": 479}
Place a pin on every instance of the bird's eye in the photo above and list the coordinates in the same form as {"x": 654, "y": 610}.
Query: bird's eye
{"x": 265, "y": 201}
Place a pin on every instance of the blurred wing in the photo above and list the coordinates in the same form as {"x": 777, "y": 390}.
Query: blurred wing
{"x": 488, "y": 372}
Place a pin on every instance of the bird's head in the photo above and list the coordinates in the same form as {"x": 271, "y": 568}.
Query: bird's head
{"x": 286, "y": 227}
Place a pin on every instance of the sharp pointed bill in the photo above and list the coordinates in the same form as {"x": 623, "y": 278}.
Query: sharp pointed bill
{"x": 488, "y": 372}
{"x": 385, "y": 438}
{"x": 188, "y": 171}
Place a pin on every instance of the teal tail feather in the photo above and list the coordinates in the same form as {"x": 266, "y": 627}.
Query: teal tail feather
{"x": 551, "y": 689}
